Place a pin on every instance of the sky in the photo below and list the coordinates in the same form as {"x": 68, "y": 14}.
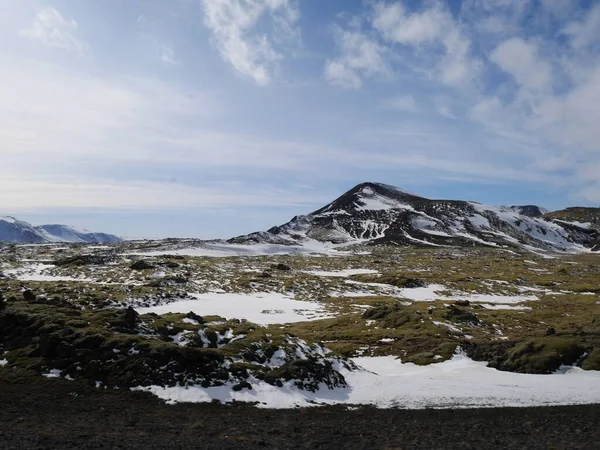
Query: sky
{"x": 214, "y": 118}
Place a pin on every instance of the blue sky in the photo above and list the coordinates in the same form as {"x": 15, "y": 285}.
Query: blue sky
{"x": 212, "y": 118}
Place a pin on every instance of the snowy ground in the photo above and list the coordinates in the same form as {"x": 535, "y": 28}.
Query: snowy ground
{"x": 38, "y": 272}
{"x": 340, "y": 273}
{"x": 260, "y": 308}
{"x": 387, "y": 383}
{"x": 435, "y": 292}
{"x": 218, "y": 250}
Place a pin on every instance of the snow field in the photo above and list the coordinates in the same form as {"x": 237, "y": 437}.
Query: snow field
{"x": 387, "y": 383}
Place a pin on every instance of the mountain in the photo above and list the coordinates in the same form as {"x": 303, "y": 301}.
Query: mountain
{"x": 376, "y": 213}
{"x": 529, "y": 210}
{"x": 580, "y": 216}
{"x": 70, "y": 234}
{"x": 18, "y": 231}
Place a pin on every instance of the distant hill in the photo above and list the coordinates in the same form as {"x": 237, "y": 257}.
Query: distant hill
{"x": 378, "y": 213}
{"x": 21, "y": 232}
{"x": 586, "y": 217}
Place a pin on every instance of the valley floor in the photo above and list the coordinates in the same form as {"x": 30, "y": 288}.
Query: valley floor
{"x": 40, "y": 413}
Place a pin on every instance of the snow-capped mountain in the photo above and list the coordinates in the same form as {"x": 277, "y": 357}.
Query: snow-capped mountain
{"x": 70, "y": 234}
{"x": 18, "y": 231}
{"x": 378, "y": 213}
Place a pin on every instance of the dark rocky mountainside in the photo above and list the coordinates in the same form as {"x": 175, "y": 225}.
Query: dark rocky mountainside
{"x": 377, "y": 213}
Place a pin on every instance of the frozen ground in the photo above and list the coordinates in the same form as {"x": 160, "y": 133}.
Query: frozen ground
{"x": 435, "y": 292}
{"x": 38, "y": 272}
{"x": 261, "y": 308}
{"x": 340, "y": 273}
{"x": 387, "y": 383}
{"x": 218, "y": 250}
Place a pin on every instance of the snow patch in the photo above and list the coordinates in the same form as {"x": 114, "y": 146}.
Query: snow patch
{"x": 261, "y": 308}
{"x": 340, "y": 273}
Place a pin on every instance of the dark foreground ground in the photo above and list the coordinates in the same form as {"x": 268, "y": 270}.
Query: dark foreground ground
{"x": 55, "y": 414}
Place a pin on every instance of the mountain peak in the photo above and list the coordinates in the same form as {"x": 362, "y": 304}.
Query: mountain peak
{"x": 8, "y": 219}
{"x": 370, "y": 196}
{"x": 380, "y": 188}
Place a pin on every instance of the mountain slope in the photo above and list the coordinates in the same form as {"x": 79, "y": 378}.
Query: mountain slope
{"x": 584, "y": 217}
{"x": 21, "y": 232}
{"x": 70, "y": 234}
{"x": 529, "y": 210}
{"x": 377, "y": 213}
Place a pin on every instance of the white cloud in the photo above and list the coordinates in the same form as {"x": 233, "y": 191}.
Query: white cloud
{"x": 52, "y": 29}
{"x": 233, "y": 23}
{"x": 499, "y": 18}
{"x": 401, "y": 103}
{"x": 359, "y": 57}
{"x": 442, "y": 106}
{"x": 167, "y": 55}
{"x": 586, "y": 32}
{"x": 433, "y": 26}
{"x": 572, "y": 118}
{"x": 396, "y": 24}
{"x": 520, "y": 59}
{"x": 27, "y": 192}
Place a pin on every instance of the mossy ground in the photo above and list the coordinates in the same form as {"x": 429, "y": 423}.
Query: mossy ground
{"x": 372, "y": 317}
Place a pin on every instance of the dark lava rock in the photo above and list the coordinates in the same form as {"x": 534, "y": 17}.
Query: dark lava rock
{"x": 414, "y": 283}
{"x": 141, "y": 265}
{"x": 461, "y": 315}
{"x": 192, "y": 315}
{"x": 47, "y": 344}
{"x": 264, "y": 275}
{"x": 64, "y": 350}
{"x": 169, "y": 264}
{"x": 306, "y": 374}
{"x": 81, "y": 260}
{"x": 28, "y": 296}
{"x": 89, "y": 342}
{"x": 379, "y": 312}
{"x": 131, "y": 317}
{"x": 242, "y": 385}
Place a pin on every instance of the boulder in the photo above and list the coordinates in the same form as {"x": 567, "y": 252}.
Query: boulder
{"x": 193, "y": 316}
{"x": 131, "y": 317}
{"x": 81, "y": 260}
{"x": 28, "y": 295}
{"x": 242, "y": 385}
{"x": 141, "y": 265}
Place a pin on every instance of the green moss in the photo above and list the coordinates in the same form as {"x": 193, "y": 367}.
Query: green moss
{"x": 592, "y": 361}
{"x": 543, "y": 355}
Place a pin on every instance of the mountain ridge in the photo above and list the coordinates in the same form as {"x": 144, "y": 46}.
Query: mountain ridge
{"x": 17, "y": 231}
{"x": 376, "y": 213}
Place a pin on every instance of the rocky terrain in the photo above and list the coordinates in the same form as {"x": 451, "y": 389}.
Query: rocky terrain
{"x": 59, "y": 414}
{"x": 155, "y": 315}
